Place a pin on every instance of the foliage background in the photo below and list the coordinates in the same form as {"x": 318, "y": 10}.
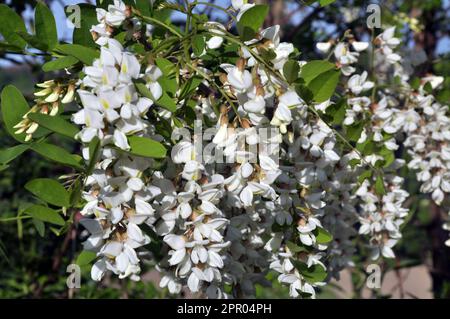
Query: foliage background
{"x": 34, "y": 266}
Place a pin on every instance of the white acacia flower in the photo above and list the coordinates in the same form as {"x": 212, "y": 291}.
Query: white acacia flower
{"x": 358, "y": 83}
{"x": 240, "y": 80}
{"x": 323, "y": 47}
{"x": 116, "y": 13}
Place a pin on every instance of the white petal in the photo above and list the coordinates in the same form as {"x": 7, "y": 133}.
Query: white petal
{"x": 174, "y": 241}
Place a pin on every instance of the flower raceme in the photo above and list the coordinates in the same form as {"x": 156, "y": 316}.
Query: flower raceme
{"x": 218, "y": 228}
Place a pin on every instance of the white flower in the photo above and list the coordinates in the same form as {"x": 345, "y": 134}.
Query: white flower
{"x": 323, "y": 47}
{"x": 214, "y": 42}
{"x": 357, "y": 83}
{"x": 240, "y": 80}
{"x": 116, "y": 13}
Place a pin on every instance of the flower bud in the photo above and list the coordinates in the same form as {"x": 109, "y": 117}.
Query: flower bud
{"x": 54, "y": 96}
{"x": 33, "y": 127}
{"x": 69, "y": 94}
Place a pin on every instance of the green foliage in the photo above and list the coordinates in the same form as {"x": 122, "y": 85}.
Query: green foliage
{"x": 324, "y": 85}
{"x": 45, "y": 214}
{"x": 11, "y": 24}
{"x": 59, "y": 63}
{"x": 322, "y": 236}
{"x": 82, "y": 53}
{"x": 45, "y": 26}
{"x": 57, "y": 154}
{"x": 14, "y": 106}
{"x": 379, "y": 185}
{"x": 251, "y": 21}
{"x": 146, "y": 147}
{"x": 291, "y": 70}
{"x": 165, "y": 101}
{"x": 11, "y": 153}
{"x": 313, "y": 274}
{"x": 55, "y": 123}
{"x": 85, "y": 258}
{"x": 49, "y": 191}
{"x": 198, "y": 44}
{"x": 314, "y": 68}
{"x": 88, "y": 18}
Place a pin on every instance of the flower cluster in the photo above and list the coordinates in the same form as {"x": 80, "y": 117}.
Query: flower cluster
{"x": 275, "y": 187}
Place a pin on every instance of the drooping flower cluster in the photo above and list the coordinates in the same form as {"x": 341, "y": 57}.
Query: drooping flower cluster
{"x": 273, "y": 188}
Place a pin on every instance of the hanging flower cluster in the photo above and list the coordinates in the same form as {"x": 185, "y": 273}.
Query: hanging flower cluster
{"x": 268, "y": 170}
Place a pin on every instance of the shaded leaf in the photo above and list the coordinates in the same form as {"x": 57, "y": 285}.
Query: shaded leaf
{"x": 14, "y": 106}
{"x": 84, "y": 54}
{"x": 324, "y": 85}
{"x": 59, "y": 63}
{"x": 146, "y": 147}
{"x": 10, "y": 25}
{"x": 49, "y": 191}
{"x": 57, "y": 154}
{"x": 55, "y": 124}
{"x": 45, "y": 214}
{"x": 8, "y": 154}
{"x": 45, "y": 25}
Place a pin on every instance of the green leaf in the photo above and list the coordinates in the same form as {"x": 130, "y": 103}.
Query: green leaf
{"x": 167, "y": 68}
{"x": 314, "y": 68}
{"x": 337, "y": 111}
{"x": 59, "y": 63}
{"x": 313, "y": 274}
{"x": 57, "y": 154}
{"x": 3, "y": 253}
{"x": 168, "y": 84}
{"x": 324, "y": 85}
{"x": 290, "y": 70}
{"x": 40, "y": 226}
{"x": 10, "y": 25}
{"x": 55, "y": 123}
{"x": 45, "y": 214}
{"x": 165, "y": 101}
{"x": 9, "y": 47}
{"x": 144, "y": 7}
{"x": 75, "y": 192}
{"x": 49, "y": 190}
{"x": 428, "y": 88}
{"x": 354, "y": 131}
{"x": 14, "y": 106}
{"x": 322, "y": 236}
{"x": 85, "y": 258}
{"x": 168, "y": 80}
{"x": 295, "y": 248}
{"x": 94, "y": 148}
{"x": 45, "y": 25}
{"x": 190, "y": 86}
{"x": 88, "y": 18}
{"x": 8, "y": 154}
{"x": 84, "y": 54}
{"x": 146, "y": 147}
{"x": 33, "y": 41}
{"x": 198, "y": 44}
{"x": 324, "y": 3}
{"x": 251, "y": 21}
{"x": 379, "y": 186}
{"x": 304, "y": 93}
{"x": 365, "y": 175}
{"x": 267, "y": 54}
{"x": 142, "y": 89}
